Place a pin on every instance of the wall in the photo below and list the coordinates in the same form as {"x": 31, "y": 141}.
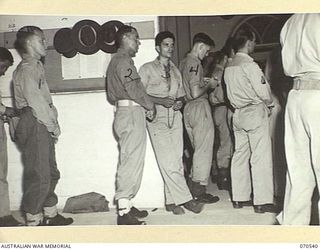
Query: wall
{"x": 86, "y": 151}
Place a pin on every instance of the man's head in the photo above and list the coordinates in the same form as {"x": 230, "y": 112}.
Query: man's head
{"x": 127, "y": 38}
{"x": 202, "y": 44}
{"x": 6, "y": 60}
{"x": 229, "y": 47}
{"x": 245, "y": 41}
{"x": 31, "y": 40}
{"x": 211, "y": 61}
{"x": 165, "y": 44}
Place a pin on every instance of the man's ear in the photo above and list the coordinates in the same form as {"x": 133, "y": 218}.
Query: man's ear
{"x": 158, "y": 48}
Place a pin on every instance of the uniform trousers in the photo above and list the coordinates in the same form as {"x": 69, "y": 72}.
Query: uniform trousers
{"x": 224, "y": 151}
{"x": 4, "y": 190}
{"x": 130, "y": 130}
{"x": 200, "y": 128}
{"x": 166, "y": 135}
{"x": 302, "y": 144}
{"x": 252, "y": 147}
{"x": 41, "y": 174}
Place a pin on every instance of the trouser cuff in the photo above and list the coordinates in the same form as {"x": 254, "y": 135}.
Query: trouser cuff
{"x": 34, "y": 219}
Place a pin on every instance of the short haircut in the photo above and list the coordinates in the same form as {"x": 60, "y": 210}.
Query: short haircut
{"x": 229, "y": 45}
{"x": 242, "y": 37}
{"x": 122, "y": 31}
{"x": 203, "y": 38}
{"x": 163, "y": 35}
{"x": 23, "y": 35}
{"x": 5, "y": 55}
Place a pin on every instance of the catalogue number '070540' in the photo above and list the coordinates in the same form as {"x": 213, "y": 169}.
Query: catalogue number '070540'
{"x": 308, "y": 246}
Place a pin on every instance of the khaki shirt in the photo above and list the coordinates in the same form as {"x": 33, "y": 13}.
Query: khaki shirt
{"x": 300, "y": 40}
{"x": 246, "y": 83}
{"x": 31, "y": 90}
{"x": 158, "y": 83}
{"x": 192, "y": 75}
{"x": 123, "y": 81}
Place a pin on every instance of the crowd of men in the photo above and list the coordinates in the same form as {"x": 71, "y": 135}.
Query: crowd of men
{"x": 222, "y": 99}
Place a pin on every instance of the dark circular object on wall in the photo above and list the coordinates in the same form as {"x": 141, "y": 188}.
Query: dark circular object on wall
{"x": 62, "y": 41}
{"x": 108, "y": 36}
{"x": 70, "y": 54}
{"x": 85, "y": 36}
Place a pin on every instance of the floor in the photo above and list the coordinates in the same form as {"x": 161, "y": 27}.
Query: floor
{"x": 220, "y": 213}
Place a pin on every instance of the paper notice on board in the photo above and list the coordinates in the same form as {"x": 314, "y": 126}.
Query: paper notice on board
{"x": 85, "y": 66}
{"x": 70, "y": 67}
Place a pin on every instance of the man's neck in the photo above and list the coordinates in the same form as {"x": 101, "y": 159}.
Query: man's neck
{"x": 163, "y": 60}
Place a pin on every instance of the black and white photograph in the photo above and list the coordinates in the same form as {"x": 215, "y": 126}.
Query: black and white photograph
{"x": 159, "y": 120}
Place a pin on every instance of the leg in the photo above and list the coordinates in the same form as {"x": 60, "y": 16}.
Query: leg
{"x": 168, "y": 147}
{"x": 261, "y": 161}
{"x": 240, "y": 173}
{"x": 300, "y": 177}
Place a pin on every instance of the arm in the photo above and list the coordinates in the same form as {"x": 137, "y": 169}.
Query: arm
{"x": 133, "y": 85}
{"x": 198, "y": 85}
{"x": 31, "y": 86}
{"x": 259, "y": 83}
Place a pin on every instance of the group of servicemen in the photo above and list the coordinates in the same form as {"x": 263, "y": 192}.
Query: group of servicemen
{"x": 226, "y": 90}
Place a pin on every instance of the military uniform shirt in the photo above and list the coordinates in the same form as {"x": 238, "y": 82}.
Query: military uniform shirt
{"x": 123, "y": 81}
{"x": 192, "y": 75}
{"x": 301, "y": 46}
{"x": 157, "y": 83}
{"x": 31, "y": 90}
{"x": 246, "y": 83}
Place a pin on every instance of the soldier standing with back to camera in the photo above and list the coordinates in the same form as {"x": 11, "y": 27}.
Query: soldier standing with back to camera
{"x": 250, "y": 95}
{"x": 197, "y": 116}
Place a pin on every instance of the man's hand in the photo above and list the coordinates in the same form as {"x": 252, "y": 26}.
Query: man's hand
{"x": 167, "y": 102}
{"x": 55, "y": 134}
{"x": 213, "y": 82}
{"x": 11, "y": 112}
{"x": 151, "y": 114}
{"x": 177, "y": 105}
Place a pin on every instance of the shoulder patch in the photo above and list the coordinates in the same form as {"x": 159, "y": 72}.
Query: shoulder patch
{"x": 194, "y": 69}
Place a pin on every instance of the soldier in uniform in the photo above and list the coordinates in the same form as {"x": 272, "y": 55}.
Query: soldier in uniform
{"x": 37, "y": 131}
{"x": 197, "y": 115}
{"x": 219, "y": 112}
{"x": 162, "y": 78}
{"x": 249, "y": 93}
{"x": 6, "y": 219}
{"x": 126, "y": 91}
{"x": 300, "y": 40}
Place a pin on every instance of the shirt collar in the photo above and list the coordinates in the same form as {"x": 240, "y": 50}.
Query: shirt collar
{"x": 244, "y": 55}
{"x": 29, "y": 58}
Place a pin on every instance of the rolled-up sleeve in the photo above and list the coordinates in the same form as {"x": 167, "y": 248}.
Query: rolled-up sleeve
{"x": 132, "y": 83}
